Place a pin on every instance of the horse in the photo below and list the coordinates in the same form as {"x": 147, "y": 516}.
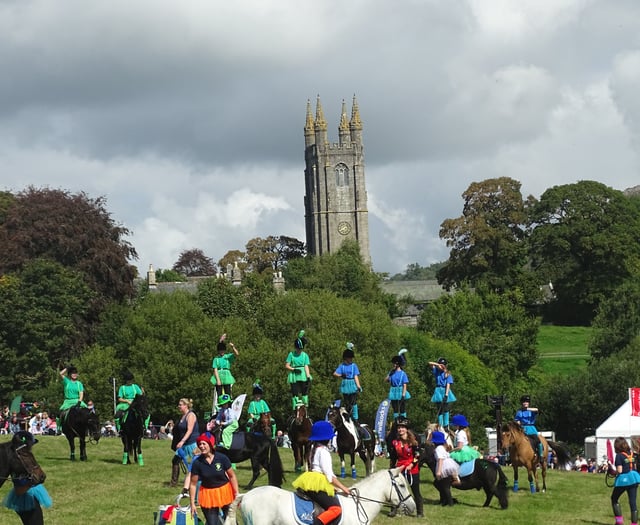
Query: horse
{"x": 522, "y": 454}
{"x": 78, "y": 423}
{"x": 299, "y": 431}
{"x": 272, "y": 506}
{"x": 262, "y": 425}
{"x": 486, "y": 475}
{"x": 349, "y": 441}
{"x": 449, "y": 435}
{"x": 17, "y": 462}
{"x": 133, "y": 430}
{"x": 263, "y": 453}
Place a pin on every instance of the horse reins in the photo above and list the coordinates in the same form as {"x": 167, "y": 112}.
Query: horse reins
{"x": 29, "y": 474}
{"x": 362, "y": 514}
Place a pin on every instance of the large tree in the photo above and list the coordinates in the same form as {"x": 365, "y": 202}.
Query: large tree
{"x": 74, "y": 230}
{"x": 488, "y": 241}
{"x": 194, "y": 263}
{"x": 585, "y": 242}
{"x": 272, "y": 253}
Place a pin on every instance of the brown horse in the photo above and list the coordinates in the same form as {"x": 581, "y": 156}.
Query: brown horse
{"x": 299, "y": 431}
{"x": 522, "y": 454}
{"x": 262, "y": 425}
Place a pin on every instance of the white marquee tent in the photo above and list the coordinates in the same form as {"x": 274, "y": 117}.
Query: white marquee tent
{"x": 620, "y": 423}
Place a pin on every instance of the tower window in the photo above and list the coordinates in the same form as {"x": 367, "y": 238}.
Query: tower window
{"x": 342, "y": 175}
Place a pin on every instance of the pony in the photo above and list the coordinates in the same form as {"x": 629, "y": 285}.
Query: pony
{"x": 262, "y": 425}
{"x": 263, "y": 453}
{"x": 272, "y": 506}
{"x": 350, "y": 442}
{"x": 522, "y": 454}
{"x": 133, "y": 430}
{"x": 299, "y": 429}
{"x": 78, "y": 423}
{"x": 17, "y": 462}
{"x": 487, "y": 475}
{"x": 448, "y": 434}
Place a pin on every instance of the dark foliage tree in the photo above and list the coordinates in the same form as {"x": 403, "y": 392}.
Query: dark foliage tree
{"x": 415, "y": 272}
{"x": 233, "y": 257}
{"x": 488, "y": 242}
{"x": 74, "y": 230}
{"x": 494, "y": 327}
{"x": 169, "y": 276}
{"x": 43, "y": 319}
{"x": 585, "y": 242}
{"x": 617, "y": 322}
{"x": 194, "y": 263}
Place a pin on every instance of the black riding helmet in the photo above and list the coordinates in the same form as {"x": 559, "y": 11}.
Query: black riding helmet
{"x": 348, "y": 354}
{"x": 525, "y": 399}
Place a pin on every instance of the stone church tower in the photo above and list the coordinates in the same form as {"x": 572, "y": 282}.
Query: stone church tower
{"x": 335, "y": 200}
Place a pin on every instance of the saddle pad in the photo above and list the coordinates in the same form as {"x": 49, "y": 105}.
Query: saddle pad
{"x": 237, "y": 441}
{"x": 303, "y": 510}
{"x": 467, "y": 468}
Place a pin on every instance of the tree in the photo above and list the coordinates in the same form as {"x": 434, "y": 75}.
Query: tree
{"x": 415, "y": 272}
{"x": 585, "y": 242}
{"x": 231, "y": 258}
{"x": 43, "y": 323}
{"x": 169, "y": 276}
{"x": 488, "y": 242}
{"x": 494, "y": 327}
{"x": 194, "y": 263}
{"x": 617, "y": 322}
{"x": 272, "y": 253}
{"x": 75, "y": 231}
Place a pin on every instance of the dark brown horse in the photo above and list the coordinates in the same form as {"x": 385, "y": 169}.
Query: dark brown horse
{"x": 299, "y": 431}
{"x": 522, "y": 454}
{"x": 133, "y": 430}
{"x": 78, "y": 423}
{"x": 349, "y": 440}
{"x": 262, "y": 425}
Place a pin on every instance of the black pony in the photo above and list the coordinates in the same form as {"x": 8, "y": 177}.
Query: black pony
{"x": 18, "y": 462}
{"x": 133, "y": 429}
{"x": 487, "y": 475}
{"x": 261, "y": 450}
{"x": 78, "y": 423}
{"x": 350, "y": 441}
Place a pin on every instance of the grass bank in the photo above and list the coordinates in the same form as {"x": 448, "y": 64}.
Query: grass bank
{"x": 563, "y": 349}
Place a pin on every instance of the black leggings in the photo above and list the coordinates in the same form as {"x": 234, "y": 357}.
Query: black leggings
{"x": 632, "y": 492}
{"x": 300, "y": 388}
{"x": 212, "y": 516}
{"x": 414, "y": 481}
{"x": 32, "y": 517}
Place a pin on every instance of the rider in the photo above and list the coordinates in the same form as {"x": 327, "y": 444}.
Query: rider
{"x": 398, "y": 393}
{"x": 442, "y": 394}
{"x": 463, "y": 450}
{"x": 226, "y": 421}
{"x": 299, "y": 377}
{"x": 350, "y": 385}
{"x": 319, "y": 482}
{"x": 126, "y": 394}
{"x": 526, "y": 417}
{"x": 257, "y": 407}
{"x": 222, "y": 377}
{"x": 73, "y": 390}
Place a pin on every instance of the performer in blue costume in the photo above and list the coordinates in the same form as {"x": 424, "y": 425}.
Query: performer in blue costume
{"x": 442, "y": 395}
{"x": 350, "y": 385}
{"x": 526, "y": 416}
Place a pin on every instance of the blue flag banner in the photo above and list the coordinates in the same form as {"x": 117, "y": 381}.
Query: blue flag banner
{"x": 381, "y": 419}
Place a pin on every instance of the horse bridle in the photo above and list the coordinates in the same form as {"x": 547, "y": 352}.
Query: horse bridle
{"x": 362, "y": 514}
{"x": 29, "y": 472}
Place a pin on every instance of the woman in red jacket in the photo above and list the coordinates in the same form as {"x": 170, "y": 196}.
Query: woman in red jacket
{"x": 405, "y": 454}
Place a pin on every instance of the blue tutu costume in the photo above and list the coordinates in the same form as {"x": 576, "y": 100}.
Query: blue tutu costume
{"x": 27, "y": 501}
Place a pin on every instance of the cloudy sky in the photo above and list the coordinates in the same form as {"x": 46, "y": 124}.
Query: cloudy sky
{"x": 188, "y": 116}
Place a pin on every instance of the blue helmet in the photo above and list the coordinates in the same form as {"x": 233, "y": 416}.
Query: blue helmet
{"x": 437, "y": 438}
{"x": 321, "y": 431}
{"x": 459, "y": 421}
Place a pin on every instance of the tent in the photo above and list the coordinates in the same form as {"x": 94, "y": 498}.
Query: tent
{"x": 620, "y": 423}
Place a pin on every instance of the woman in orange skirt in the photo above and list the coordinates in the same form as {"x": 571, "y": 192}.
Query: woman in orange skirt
{"x": 219, "y": 485}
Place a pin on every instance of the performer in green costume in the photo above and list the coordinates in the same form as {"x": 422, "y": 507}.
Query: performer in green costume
{"x": 299, "y": 377}
{"x": 222, "y": 377}
{"x": 257, "y": 407}
{"x": 73, "y": 390}
{"x": 126, "y": 394}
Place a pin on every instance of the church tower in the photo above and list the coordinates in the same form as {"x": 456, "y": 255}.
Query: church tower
{"x": 335, "y": 200}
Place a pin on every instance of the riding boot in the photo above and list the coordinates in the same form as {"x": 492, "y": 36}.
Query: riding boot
{"x": 441, "y": 420}
{"x": 305, "y": 400}
{"x": 634, "y": 517}
{"x": 395, "y": 415}
{"x": 354, "y": 413}
{"x": 617, "y": 512}
{"x": 419, "y": 507}
{"x": 295, "y": 400}
{"x": 445, "y": 418}
{"x": 175, "y": 473}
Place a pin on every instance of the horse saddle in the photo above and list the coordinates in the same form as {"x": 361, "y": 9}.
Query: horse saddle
{"x": 467, "y": 468}
{"x": 304, "y": 509}
{"x": 237, "y": 442}
{"x": 364, "y": 433}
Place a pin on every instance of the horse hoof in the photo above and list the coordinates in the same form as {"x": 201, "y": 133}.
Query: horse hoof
{"x": 72, "y": 457}
{"x": 83, "y": 458}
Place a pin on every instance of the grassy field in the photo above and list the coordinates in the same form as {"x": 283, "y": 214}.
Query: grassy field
{"x": 102, "y": 491}
{"x": 563, "y": 349}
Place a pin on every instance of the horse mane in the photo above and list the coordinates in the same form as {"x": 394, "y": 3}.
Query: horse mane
{"x": 512, "y": 426}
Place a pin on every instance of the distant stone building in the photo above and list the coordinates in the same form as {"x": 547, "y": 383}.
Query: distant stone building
{"x": 335, "y": 199}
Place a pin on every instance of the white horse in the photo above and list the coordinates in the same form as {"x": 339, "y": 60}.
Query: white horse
{"x": 269, "y": 505}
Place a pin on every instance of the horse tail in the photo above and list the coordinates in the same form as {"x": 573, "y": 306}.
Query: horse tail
{"x": 276, "y": 472}
{"x": 231, "y": 514}
{"x": 563, "y": 454}
{"x": 502, "y": 492}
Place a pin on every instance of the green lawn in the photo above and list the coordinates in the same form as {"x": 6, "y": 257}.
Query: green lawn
{"x": 102, "y": 491}
{"x": 563, "y": 349}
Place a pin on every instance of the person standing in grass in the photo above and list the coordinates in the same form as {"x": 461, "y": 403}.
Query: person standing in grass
{"x": 627, "y": 479}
